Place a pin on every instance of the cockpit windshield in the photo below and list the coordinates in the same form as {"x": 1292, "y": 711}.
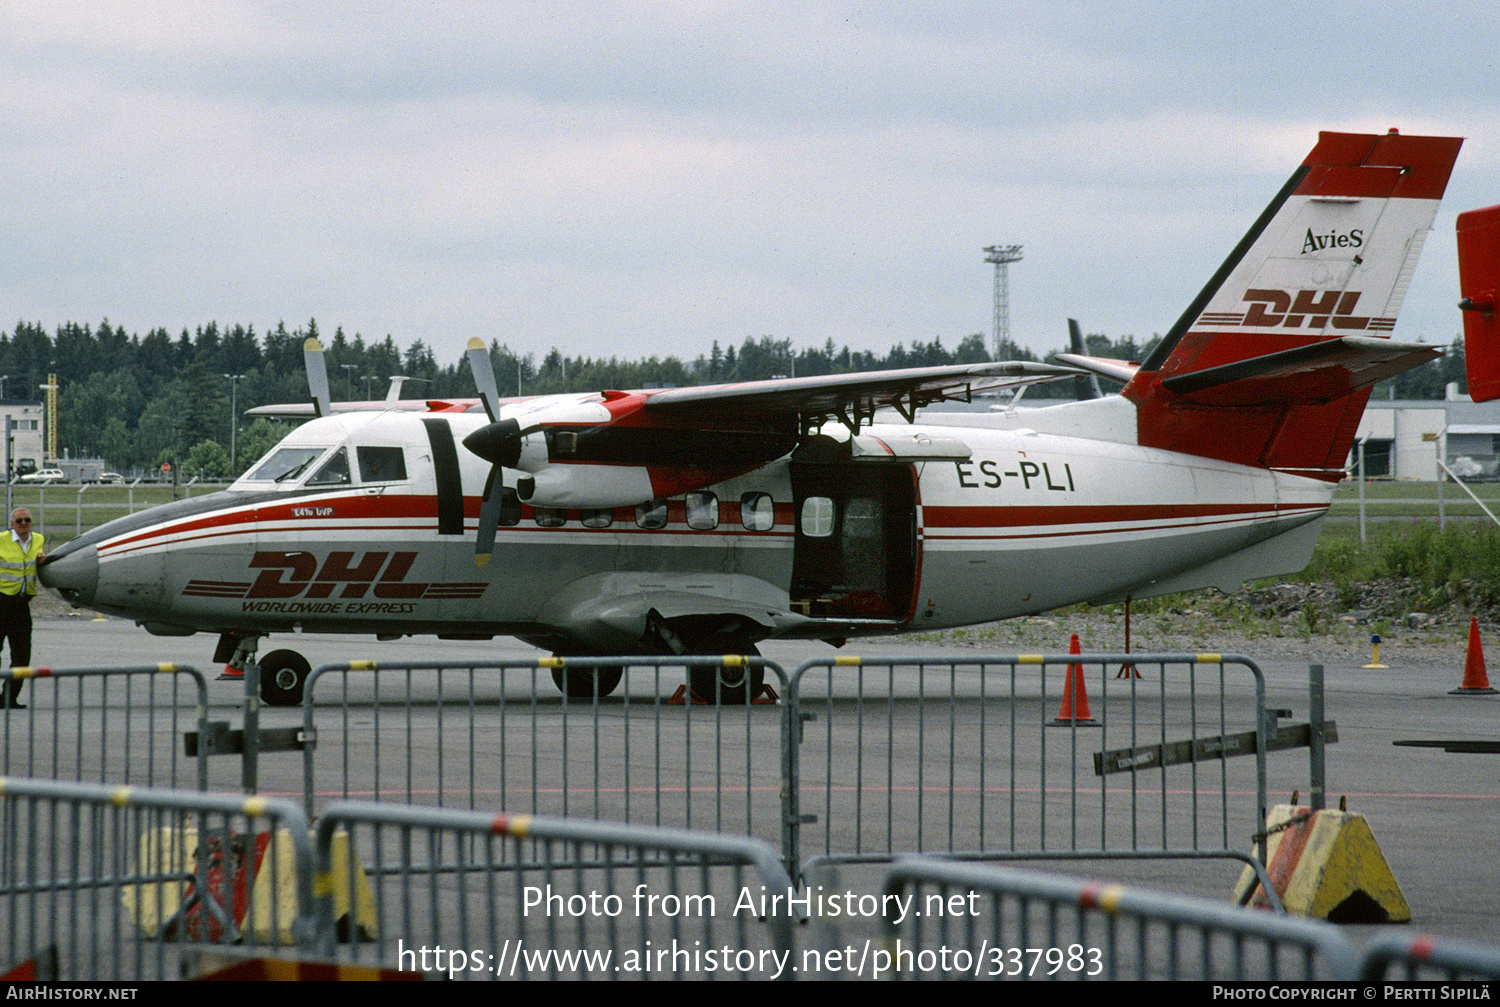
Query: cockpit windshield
{"x": 285, "y": 463}
{"x": 335, "y": 471}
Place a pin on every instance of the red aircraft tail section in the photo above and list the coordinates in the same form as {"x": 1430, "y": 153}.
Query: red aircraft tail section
{"x": 1273, "y": 361}
{"x": 1479, "y": 280}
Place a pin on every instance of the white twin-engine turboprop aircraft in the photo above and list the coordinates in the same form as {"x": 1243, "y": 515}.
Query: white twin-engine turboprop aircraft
{"x": 702, "y": 520}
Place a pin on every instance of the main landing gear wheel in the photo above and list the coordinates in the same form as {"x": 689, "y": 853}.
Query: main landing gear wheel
{"x": 585, "y": 683}
{"x": 727, "y": 685}
{"x": 283, "y": 674}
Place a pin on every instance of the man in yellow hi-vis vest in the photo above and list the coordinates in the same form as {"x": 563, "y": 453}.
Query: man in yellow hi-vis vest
{"x": 20, "y": 551}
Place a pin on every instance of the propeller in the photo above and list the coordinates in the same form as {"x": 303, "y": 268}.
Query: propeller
{"x": 500, "y": 443}
{"x": 317, "y": 377}
{"x": 1085, "y": 386}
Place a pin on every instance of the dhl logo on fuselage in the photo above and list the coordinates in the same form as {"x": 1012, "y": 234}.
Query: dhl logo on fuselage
{"x": 299, "y": 574}
{"x": 1291, "y": 309}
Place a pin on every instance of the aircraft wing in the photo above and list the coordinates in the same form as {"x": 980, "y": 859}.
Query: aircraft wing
{"x": 851, "y": 398}
{"x": 847, "y": 396}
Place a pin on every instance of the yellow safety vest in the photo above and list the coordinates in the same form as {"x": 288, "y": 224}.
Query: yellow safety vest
{"x": 18, "y": 565}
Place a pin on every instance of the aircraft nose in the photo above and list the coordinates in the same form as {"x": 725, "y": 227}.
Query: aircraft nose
{"x": 72, "y": 573}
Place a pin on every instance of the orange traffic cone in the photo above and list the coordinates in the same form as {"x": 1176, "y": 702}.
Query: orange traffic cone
{"x": 1476, "y": 682}
{"x": 1067, "y": 715}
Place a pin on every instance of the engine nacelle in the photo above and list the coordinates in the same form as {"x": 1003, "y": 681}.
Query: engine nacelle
{"x": 586, "y": 486}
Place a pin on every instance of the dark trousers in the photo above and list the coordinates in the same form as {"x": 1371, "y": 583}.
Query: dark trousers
{"x": 15, "y": 627}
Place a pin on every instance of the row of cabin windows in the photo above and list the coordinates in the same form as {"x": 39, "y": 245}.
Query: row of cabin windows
{"x": 701, "y": 509}
{"x": 757, "y": 513}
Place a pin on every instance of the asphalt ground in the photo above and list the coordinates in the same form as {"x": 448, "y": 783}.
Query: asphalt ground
{"x": 1434, "y": 814}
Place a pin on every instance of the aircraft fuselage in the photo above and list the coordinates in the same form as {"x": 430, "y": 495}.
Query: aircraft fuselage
{"x": 820, "y": 547}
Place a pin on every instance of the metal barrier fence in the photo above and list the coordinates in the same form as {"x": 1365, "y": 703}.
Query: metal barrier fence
{"x": 976, "y": 922}
{"x": 127, "y": 884}
{"x": 457, "y": 734}
{"x": 863, "y": 760}
{"x": 1427, "y": 958}
{"x": 107, "y": 725}
{"x": 123, "y": 884}
{"x": 972, "y": 758}
{"x": 583, "y": 903}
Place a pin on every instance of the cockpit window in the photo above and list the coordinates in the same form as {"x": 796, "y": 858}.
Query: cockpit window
{"x": 335, "y": 471}
{"x": 286, "y": 463}
{"x": 380, "y": 465}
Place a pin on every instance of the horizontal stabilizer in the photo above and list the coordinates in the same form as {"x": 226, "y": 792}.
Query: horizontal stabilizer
{"x": 1479, "y": 280}
{"x": 1317, "y": 372}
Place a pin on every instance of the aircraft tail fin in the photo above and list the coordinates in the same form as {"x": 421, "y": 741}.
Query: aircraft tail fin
{"x": 1479, "y": 281}
{"x": 1272, "y": 362}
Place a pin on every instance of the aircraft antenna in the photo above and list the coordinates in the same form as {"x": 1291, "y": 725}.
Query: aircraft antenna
{"x": 1002, "y": 256}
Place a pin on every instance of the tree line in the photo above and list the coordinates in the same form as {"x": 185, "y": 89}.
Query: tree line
{"x": 138, "y": 401}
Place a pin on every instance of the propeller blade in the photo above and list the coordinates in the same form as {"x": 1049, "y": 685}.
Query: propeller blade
{"x": 489, "y": 518}
{"x": 317, "y": 377}
{"x": 1085, "y": 386}
{"x": 484, "y": 378}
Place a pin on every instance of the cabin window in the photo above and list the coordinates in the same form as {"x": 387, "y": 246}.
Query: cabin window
{"x": 702, "y": 511}
{"x": 600, "y": 518}
{"x": 335, "y": 471}
{"x": 651, "y": 516}
{"x": 817, "y": 517}
{"x": 757, "y": 512}
{"x": 550, "y": 517}
{"x": 380, "y": 465}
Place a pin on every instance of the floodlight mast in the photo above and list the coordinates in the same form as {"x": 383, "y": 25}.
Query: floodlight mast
{"x": 1002, "y": 256}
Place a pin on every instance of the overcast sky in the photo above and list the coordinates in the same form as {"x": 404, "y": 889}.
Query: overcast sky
{"x": 641, "y": 178}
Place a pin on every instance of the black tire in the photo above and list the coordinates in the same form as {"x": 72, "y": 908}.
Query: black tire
{"x": 728, "y": 685}
{"x": 283, "y": 675}
{"x": 584, "y": 683}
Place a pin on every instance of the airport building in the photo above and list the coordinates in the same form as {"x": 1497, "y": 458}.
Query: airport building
{"x": 1404, "y": 438}
{"x": 27, "y": 450}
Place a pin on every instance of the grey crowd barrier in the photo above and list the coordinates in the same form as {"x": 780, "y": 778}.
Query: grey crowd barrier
{"x": 593, "y": 900}
{"x": 122, "y": 883}
{"x": 1427, "y": 958}
{"x": 455, "y": 734}
{"x": 860, "y": 759}
{"x": 995, "y": 757}
{"x": 107, "y": 725}
{"x": 128, "y": 884}
{"x": 975, "y": 921}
